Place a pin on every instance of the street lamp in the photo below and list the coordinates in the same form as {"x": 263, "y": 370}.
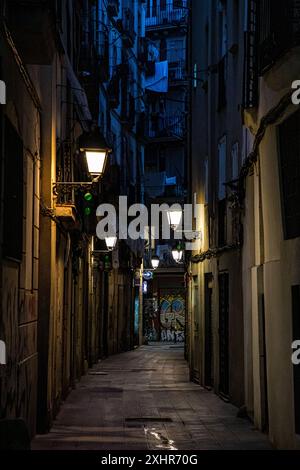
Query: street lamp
{"x": 174, "y": 218}
{"x": 177, "y": 254}
{"x": 111, "y": 242}
{"x": 155, "y": 262}
{"x": 96, "y": 150}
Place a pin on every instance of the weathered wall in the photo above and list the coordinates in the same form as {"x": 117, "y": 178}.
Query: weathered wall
{"x": 19, "y": 280}
{"x": 274, "y": 264}
{"x": 210, "y": 122}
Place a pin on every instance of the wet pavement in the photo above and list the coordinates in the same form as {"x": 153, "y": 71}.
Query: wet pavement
{"x": 144, "y": 400}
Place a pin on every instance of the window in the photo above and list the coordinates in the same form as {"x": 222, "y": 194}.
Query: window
{"x": 223, "y": 46}
{"x": 163, "y": 49}
{"x": 222, "y": 222}
{"x": 222, "y": 205}
{"x": 223, "y": 39}
{"x": 162, "y": 160}
{"x": 236, "y": 21}
{"x": 222, "y": 168}
{"x": 176, "y": 50}
{"x": 154, "y": 7}
{"x": 178, "y": 3}
{"x": 206, "y": 180}
{"x": 289, "y": 141}
{"x": 222, "y": 70}
{"x": 235, "y": 161}
{"x": 296, "y": 336}
{"x": 13, "y": 193}
{"x": 163, "y": 5}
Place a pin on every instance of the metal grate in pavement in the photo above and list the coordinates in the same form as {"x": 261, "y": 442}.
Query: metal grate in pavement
{"x": 105, "y": 390}
{"x": 148, "y": 419}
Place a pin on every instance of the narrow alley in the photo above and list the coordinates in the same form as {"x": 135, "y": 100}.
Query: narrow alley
{"x": 143, "y": 399}
{"x": 149, "y": 229}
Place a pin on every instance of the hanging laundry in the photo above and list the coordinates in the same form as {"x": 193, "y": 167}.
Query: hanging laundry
{"x": 159, "y": 83}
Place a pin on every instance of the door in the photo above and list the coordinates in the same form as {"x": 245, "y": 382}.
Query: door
{"x": 209, "y": 356}
{"x": 263, "y": 366}
{"x": 172, "y": 315}
{"x": 195, "y": 333}
{"x": 224, "y": 334}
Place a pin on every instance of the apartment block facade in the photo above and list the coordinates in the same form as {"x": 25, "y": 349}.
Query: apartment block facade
{"x": 165, "y": 136}
{"x": 244, "y": 143}
{"x": 66, "y": 301}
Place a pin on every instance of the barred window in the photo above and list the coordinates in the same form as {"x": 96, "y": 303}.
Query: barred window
{"x": 13, "y": 193}
{"x": 289, "y": 141}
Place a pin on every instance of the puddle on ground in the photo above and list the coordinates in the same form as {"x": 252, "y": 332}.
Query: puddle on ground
{"x": 161, "y": 441}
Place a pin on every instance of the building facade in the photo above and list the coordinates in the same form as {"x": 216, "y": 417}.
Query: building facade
{"x": 64, "y": 303}
{"x": 121, "y": 32}
{"x": 216, "y": 341}
{"x": 271, "y": 275}
{"x": 244, "y": 282}
{"x": 165, "y": 135}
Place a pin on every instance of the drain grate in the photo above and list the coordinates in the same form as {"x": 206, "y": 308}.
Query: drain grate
{"x": 106, "y": 390}
{"x": 106, "y": 371}
{"x": 97, "y": 373}
{"x": 149, "y": 419}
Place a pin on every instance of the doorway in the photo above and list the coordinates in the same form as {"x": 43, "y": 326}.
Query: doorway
{"x": 209, "y": 347}
{"x": 195, "y": 334}
{"x": 224, "y": 334}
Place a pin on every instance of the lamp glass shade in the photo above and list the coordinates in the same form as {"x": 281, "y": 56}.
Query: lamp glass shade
{"x": 174, "y": 218}
{"x": 95, "y": 161}
{"x": 111, "y": 242}
{"x": 177, "y": 255}
{"x": 155, "y": 262}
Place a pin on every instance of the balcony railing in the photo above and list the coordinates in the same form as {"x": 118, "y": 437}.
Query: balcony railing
{"x": 167, "y": 16}
{"x": 279, "y": 30}
{"x": 125, "y": 26}
{"x": 113, "y": 7}
{"x": 177, "y": 71}
{"x": 250, "y": 94}
{"x": 162, "y": 126}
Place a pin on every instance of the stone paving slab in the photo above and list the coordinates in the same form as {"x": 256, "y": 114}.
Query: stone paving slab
{"x": 143, "y": 400}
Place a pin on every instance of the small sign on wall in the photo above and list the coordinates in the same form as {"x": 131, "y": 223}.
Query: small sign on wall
{"x": 2, "y": 353}
{"x": 2, "y": 92}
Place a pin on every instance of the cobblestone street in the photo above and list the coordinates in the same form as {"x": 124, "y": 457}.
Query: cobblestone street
{"x": 143, "y": 400}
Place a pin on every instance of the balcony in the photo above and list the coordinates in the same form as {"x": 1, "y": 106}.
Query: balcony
{"x": 128, "y": 109}
{"x": 157, "y": 186}
{"x": 167, "y": 17}
{"x": 113, "y": 7}
{"x": 165, "y": 127}
{"x": 279, "y": 30}
{"x": 125, "y": 26}
{"x": 31, "y": 24}
{"x": 103, "y": 50}
{"x": 250, "y": 92}
{"x": 177, "y": 72}
{"x": 113, "y": 91}
{"x": 143, "y": 51}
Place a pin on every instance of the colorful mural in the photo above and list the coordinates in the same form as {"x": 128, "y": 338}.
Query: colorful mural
{"x": 172, "y": 317}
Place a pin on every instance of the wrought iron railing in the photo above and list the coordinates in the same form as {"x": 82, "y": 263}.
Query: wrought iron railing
{"x": 161, "y": 126}
{"x": 279, "y": 30}
{"x": 177, "y": 71}
{"x": 167, "y": 16}
{"x": 250, "y": 93}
